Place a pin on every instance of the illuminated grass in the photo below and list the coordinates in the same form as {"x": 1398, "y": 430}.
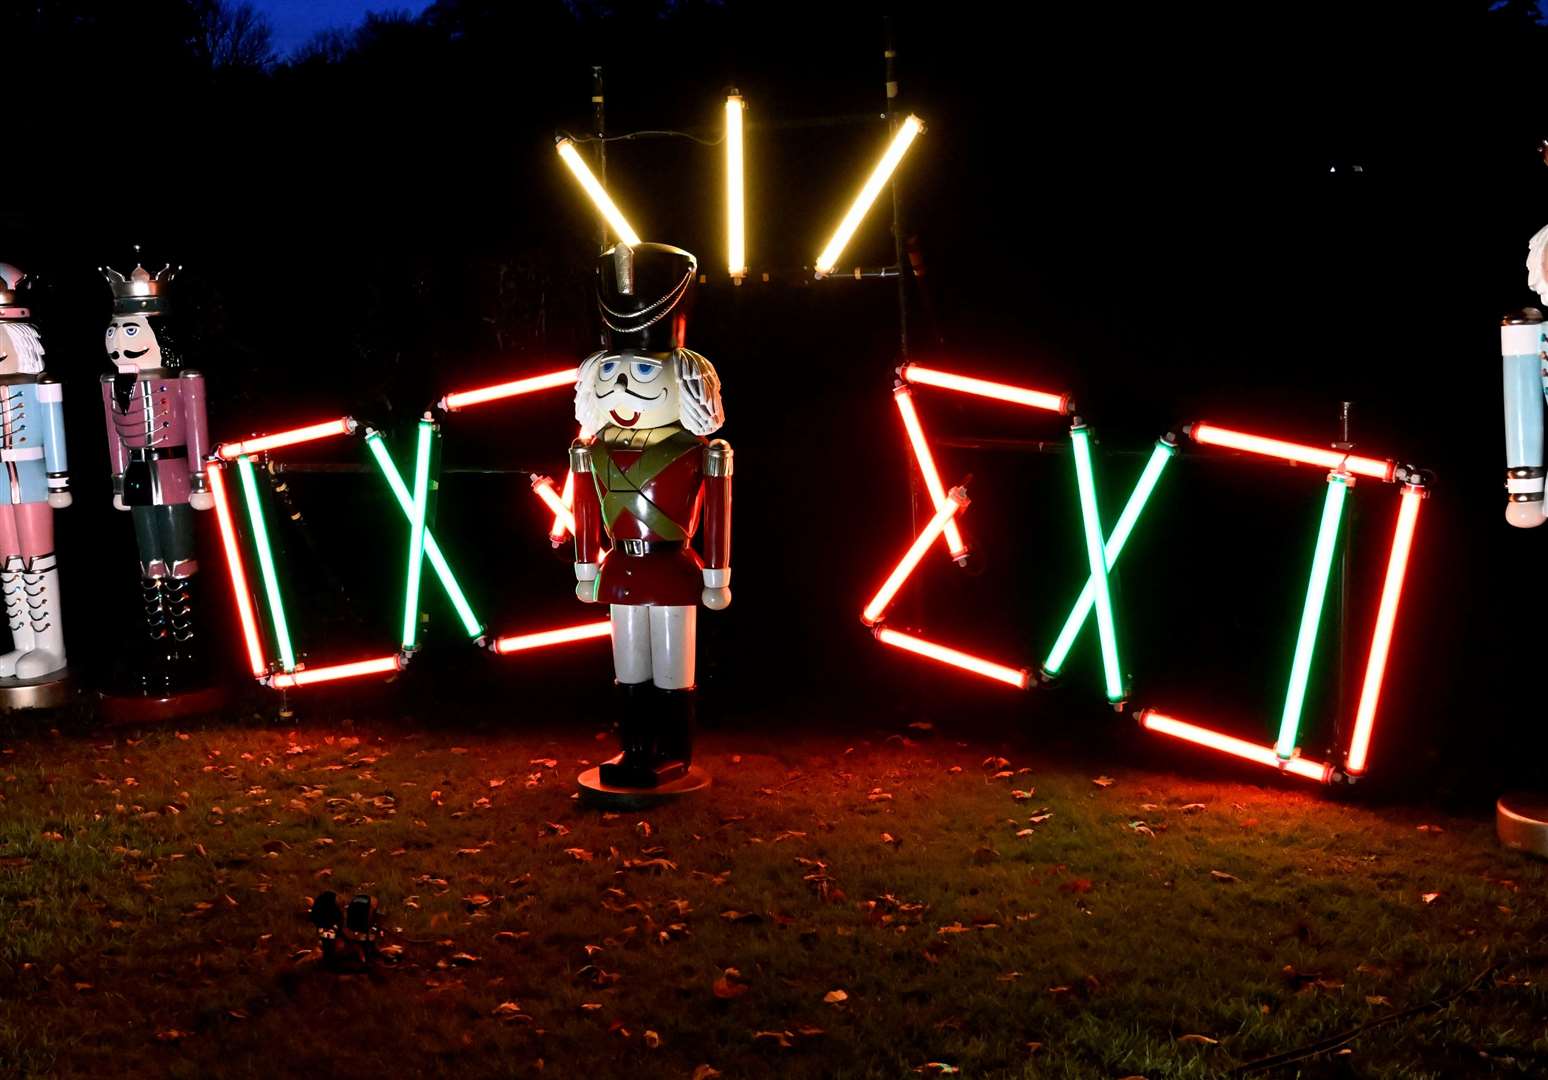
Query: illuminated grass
{"x": 1154, "y": 949}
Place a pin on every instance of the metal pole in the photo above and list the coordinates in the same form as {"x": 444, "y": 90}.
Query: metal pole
{"x": 1346, "y": 446}
{"x": 599, "y": 129}
{"x": 890, "y": 55}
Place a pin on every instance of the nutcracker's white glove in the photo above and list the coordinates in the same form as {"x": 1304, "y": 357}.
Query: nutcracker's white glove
{"x": 586, "y": 582}
{"x": 118, "y": 502}
{"x": 201, "y": 500}
{"x": 717, "y": 589}
{"x": 60, "y": 499}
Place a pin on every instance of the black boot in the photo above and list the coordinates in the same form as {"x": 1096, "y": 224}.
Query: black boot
{"x": 641, "y": 711}
{"x": 185, "y": 670}
{"x": 679, "y": 717}
{"x": 152, "y": 672}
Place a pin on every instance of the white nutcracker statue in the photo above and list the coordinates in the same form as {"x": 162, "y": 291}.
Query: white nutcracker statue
{"x": 33, "y": 483}
{"x": 646, "y": 475}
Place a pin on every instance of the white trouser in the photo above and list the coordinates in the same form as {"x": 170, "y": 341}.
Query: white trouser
{"x": 654, "y": 644}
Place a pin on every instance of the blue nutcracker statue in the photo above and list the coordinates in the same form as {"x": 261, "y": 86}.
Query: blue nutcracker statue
{"x": 33, "y": 483}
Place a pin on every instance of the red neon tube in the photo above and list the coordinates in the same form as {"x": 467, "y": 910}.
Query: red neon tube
{"x": 344, "y": 425}
{"x": 515, "y": 388}
{"x": 1227, "y": 744}
{"x": 544, "y": 488}
{"x": 900, "y": 573}
{"x": 1375, "y": 468}
{"x": 381, "y": 665}
{"x": 239, "y": 589}
{"x": 1386, "y": 619}
{"x": 1017, "y": 677}
{"x": 967, "y": 384}
{"x": 523, "y": 642}
{"x": 559, "y": 530}
{"x": 932, "y": 479}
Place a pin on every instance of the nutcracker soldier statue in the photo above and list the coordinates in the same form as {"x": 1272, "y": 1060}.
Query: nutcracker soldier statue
{"x": 1521, "y": 818}
{"x": 158, "y": 438}
{"x": 644, "y": 474}
{"x": 33, "y": 483}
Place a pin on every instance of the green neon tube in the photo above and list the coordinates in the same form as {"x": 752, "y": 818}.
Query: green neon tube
{"x": 1107, "y": 629}
{"x": 266, "y": 562}
{"x": 433, "y": 552}
{"x": 1149, "y": 477}
{"x": 1311, "y": 615}
{"x": 418, "y": 511}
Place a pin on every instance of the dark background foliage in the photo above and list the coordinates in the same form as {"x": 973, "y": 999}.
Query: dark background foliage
{"x": 1244, "y": 212}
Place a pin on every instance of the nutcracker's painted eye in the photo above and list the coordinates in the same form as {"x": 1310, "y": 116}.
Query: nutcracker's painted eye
{"x": 644, "y": 371}
{"x": 607, "y": 369}
{"x": 131, "y": 330}
{"x": 111, "y": 331}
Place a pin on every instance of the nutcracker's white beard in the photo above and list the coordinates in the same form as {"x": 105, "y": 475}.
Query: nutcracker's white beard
{"x": 699, "y": 408}
{"x": 27, "y": 345}
{"x": 1537, "y": 271}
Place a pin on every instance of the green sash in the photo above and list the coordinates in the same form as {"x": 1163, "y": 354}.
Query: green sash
{"x": 621, "y": 489}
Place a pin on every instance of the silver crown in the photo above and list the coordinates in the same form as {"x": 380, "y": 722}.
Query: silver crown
{"x": 11, "y": 306}
{"x": 139, "y": 289}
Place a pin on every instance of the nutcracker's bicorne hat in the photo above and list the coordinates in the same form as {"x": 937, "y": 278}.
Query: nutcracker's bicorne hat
{"x": 644, "y": 293}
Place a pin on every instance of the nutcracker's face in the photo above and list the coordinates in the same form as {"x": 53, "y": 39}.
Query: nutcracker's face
{"x": 131, "y": 343}
{"x": 638, "y": 391}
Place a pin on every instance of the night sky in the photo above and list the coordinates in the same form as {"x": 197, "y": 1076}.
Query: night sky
{"x": 295, "y": 21}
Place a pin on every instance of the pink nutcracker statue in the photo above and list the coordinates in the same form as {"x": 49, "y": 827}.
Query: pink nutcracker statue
{"x": 158, "y": 438}
{"x": 645, "y": 473}
{"x": 33, "y": 483}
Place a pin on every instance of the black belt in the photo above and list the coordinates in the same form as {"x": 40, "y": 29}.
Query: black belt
{"x": 647, "y": 547}
{"x": 156, "y": 453}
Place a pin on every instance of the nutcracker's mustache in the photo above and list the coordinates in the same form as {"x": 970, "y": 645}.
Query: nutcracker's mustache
{"x": 631, "y": 393}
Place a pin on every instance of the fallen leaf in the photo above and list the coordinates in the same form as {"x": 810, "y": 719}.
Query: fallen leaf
{"x": 994, "y": 764}
{"x": 643, "y": 828}
{"x": 1077, "y": 885}
{"x": 390, "y": 950}
{"x": 1376, "y": 999}
{"x": 545, "y": 762}
{"x": 465, "y": 958}
{"x": 1023, "y": 796}
{"x": 878, "y": 795}
{"x": 1221, "y": 875}
{"x": 782, "y": 1038}
{"x": 649, "y": 864}
{"x": 734, "y": 916}
{"x": 1199, "y": 1040}
{"x": 834, "y": 997}
{"x": 705, "y": 1072}
{"x": 1104, "y": 781}
{"x": 172, "y": 1035}
{"x": 888, "y": 838}
{"x": 1429, "y": 897}
{"x": 1192, "y": 808}
{"x": 937, "y": 1068}
{"x": 729, "y": 985}
{"x": 1034, "y": 1047}
{"x": 509, "y": 1011}
{"x": 579, "y": 854}
{"x": 652, "y": 1040}
{"x": 477, "y": 900}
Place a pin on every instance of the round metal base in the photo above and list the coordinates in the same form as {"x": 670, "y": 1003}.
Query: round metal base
{"x": 47, "y": 692}
{"x": 123, "y": 709}
{"x": 595, "y": 792}
{"x": 1521, "y": 819}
